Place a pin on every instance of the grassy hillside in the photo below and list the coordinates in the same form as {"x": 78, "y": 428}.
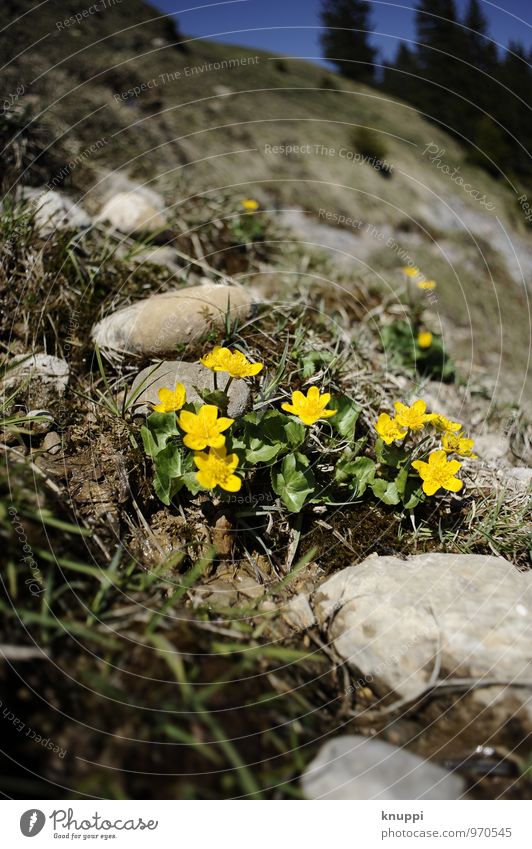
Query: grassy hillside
{"x": 123, "y": 90}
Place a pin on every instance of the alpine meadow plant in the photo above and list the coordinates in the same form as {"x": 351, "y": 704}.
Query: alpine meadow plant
{"x": 250, "y": 224}
{"x": 196, "y": 447}
{"x": 408, "y": 342}
{"x": 413, "y": 457}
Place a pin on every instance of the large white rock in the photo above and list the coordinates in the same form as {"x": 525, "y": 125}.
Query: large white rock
{"x": 156, "y": 325}
{"x": 353, "y": 767}
{"x": 55, "y": 211}
{"x": 193, "y": 376}
{"x": 395, "y": 621}
{"x": 134, "y": 212}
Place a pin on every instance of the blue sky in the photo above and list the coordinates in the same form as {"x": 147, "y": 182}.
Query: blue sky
{"x": 291, "y": 27}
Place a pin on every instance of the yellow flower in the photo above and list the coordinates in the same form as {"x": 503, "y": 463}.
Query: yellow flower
{"x": 171, "y": 400}
{"x": 457, "y": 443}
{"x": 250, "y": 205}
{"x": 204, "y": 428}
{"x": 413, "y": 417}
{"x": 426, "y": 284}
{"x": 232, "y": 362}
{"x": 424, "y": 339}
{"x": 438, "y": 473}
{"x": 388, "y": 429}
{"x": 445, "y": 425}
{"x": 310, "y": 408}
{"x": 217, "y": 469}
{"x": 411, "y": 271}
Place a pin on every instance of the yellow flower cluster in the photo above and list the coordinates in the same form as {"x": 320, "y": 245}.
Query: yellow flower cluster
{"x": 205, "y": 429}
{"x": 417, "y": 277}
{"x": 438, "y": 472}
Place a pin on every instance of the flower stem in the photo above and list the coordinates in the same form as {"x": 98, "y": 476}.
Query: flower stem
{"x": 215, "y": 378}
{"x": 227, "y": 385}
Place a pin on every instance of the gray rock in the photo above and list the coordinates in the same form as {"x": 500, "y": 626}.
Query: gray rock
{"x": 162, "y": 255}
{"x": 111, "y": 183}
{"x": 40, "y": 421}
{"x": 298, "y": 613}
{"x": 492, "y": 447}
{"x": 395, "y": 620}
{"x": 519, "y": 477}
{"x": 52, "y": 443}
{"x": 353, "y": 767}
{"x": 51, "y": 372}
{"x": 55, "y": 211}
{"x": 134, "y": 212}
{"x": 156, "y": 325}
{"x": 193, "y": 376}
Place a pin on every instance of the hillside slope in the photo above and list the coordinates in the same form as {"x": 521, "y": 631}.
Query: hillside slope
{"x": 122, "y": 90}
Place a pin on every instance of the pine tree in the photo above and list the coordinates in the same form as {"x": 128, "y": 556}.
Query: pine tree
{"x": 345, "y": 38}
{"x": 511, "y": 106}
{"x": 455, "y": 76}
{"x": 481, "y": 52}
{"x": 441, "y": 41}
{"x": 400, "y": 76}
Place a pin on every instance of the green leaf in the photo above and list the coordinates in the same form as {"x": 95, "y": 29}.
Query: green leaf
{"x": 390, "y": 455}
{"x": 385, "y": 491}
{"x": 150, "y": 445}
{"x": 170, "y": 459}
{"x": 311, "y": 360}
{"x": 413, "y": 494}
{"x": 169, "y": 468}
{"x": 293, "y": 481}
{"x": 295, "y": 432}
{"x": 345, "y": 420}
{"x": 216, "y": 397}
{"x": 161, "y": 427}
{"x": 262, "y": 453}
{"x": 357, "y": 473}
{"x": 266, "y": 437}
{"x": 401, "y": 479}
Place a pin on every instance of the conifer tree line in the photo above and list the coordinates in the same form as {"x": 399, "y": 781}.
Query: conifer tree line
{"x": 452, "y": 72}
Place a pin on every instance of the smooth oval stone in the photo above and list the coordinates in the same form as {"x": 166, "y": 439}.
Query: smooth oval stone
{"x": 157, "y": 325}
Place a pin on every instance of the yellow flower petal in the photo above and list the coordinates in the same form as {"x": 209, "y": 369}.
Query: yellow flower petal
{"x": 414, "y": 417}
{"x": 311, "y": 407}
{"x": 203, "y": 429}
{"x": 250, "y": 205}
{"x": 234, "y": 363}
{"x": 217, "y": 469}
{"x": 424, "y": 339}
{"x": 411, "y": 271}
{"x": 388, "y": 429}
{"x": 171, "y": 400}
{"x": 438, "y": 473}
